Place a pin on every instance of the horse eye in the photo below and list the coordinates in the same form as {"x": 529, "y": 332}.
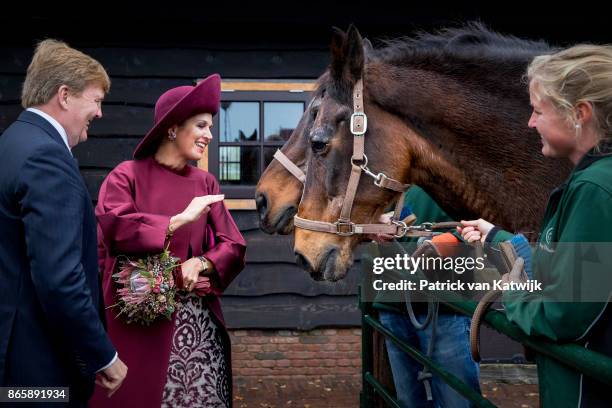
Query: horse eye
{"x": 318, "y": 147}
{"x": 314, "y": 111}
{"x": 343, "y": 115}
{"x": 344, "y": 118}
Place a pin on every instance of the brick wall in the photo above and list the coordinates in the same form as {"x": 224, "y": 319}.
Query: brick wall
{"x": 322, "y": 369}
{"x": 264, "y": 353}
{"x": 317, "y": 368}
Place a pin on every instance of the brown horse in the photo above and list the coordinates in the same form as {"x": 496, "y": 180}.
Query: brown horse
{"x": 447, "y": 112}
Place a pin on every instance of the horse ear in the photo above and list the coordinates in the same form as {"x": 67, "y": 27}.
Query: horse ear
{"x": 368, "y": 48}
{"x": 355, "y": 55}
{"x": 338, "y": 53}
{"x": 347, "y": 55}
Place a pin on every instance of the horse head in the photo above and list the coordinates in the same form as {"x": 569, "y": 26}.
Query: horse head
{"x": 327, "y": 256}
{"x": 278, "y": 192}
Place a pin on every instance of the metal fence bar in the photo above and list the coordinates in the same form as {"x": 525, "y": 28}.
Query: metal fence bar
{"x": 588, "y": 362}
{"x": 381, "y": 390}
{"x": 367, "y": 355}
{"x": 444, "y": 375}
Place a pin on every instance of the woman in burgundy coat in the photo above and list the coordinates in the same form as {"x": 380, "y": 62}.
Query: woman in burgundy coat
{"x": 146, "y": 203}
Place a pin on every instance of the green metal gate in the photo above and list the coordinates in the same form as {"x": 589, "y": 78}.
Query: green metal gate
{"x": 587, "y": 362}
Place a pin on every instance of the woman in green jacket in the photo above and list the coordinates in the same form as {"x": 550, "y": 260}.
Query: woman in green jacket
{"x": 571, "y": 95}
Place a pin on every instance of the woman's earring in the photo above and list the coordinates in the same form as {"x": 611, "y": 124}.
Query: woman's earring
{"x": 172, "y": 136}
{"x": 578, "y": 125}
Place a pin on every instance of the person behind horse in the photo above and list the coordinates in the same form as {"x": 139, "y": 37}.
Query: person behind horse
{"x": 571, "y": 95}
{"x": 160, "y": 200}
{"x": 451, "y": 343}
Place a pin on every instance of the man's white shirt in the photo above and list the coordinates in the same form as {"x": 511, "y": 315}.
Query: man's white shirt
{"x": 60, "y": 129}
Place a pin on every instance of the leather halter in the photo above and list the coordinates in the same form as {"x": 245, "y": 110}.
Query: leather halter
{"x": 359, "y": 163}
{"x": 425, "y": 229}
{"x": 290, "y": 166}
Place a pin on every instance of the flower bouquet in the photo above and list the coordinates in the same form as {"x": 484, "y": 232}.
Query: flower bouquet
{"x": 147, "y": 289}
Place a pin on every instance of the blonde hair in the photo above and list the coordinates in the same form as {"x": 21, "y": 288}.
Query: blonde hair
{"x": 55, "y": 64}
{"x": 582, "y": 73}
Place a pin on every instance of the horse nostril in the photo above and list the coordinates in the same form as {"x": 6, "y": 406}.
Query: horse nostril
{"x": 302, "y": 262}
{"x": 328, "y": 265}
{"x": 261, "y": 203}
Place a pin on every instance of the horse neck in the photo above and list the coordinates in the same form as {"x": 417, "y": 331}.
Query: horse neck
{"x": 457, "y": 192}
{"x": 483, "y": 109}
{"x": 403, "y": 154}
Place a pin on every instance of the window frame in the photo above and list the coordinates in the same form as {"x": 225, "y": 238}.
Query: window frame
{"x": 261, "y": 96}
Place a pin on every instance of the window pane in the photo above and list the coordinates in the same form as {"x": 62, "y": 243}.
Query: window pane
{"x": 238, "y": 165}
{"x": 239, "y": 121}
{"x": 269, "y": 154}
{"x": 280, "y": 118}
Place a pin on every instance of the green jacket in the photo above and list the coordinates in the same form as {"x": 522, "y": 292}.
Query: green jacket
{"x": 570, "y": 268}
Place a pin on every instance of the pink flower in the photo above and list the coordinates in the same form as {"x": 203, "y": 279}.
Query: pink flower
{"x": 139, "y": 284}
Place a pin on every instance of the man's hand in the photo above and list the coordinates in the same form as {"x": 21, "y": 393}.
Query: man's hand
{"x": 475, "y": 230}
{"x": 381, "y": 238}
{"x": 112, "y": 377}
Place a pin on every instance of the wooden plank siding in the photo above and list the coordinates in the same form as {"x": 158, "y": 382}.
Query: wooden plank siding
{"x": 191, "y": 63}
{"x": 272, "y": 292}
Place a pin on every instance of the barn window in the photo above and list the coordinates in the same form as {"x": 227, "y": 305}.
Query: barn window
{"x": 255, "y": 119}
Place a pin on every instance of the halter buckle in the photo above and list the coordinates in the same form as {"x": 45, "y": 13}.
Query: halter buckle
{"x": 402, "y": 228}
{"x": 365, "y": 123}
{"x": 379, "y": 179}
{"x": 426, "y": 227}
{"x": 345, "y": 228}
{"x": 364, "y": 165}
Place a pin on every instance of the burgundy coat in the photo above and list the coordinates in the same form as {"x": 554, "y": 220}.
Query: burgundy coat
{"x": 134, "y": 208}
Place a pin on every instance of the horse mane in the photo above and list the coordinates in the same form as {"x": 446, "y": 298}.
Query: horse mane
{"x": 471, "y": 54}
{"x": 472, "y": 42}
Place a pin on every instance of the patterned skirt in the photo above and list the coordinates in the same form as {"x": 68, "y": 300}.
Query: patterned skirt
{"x": 198, "y": 375}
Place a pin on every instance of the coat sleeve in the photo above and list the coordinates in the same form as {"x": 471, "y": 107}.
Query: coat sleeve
{"x": 52, "y": 200}
{"x": 577, "y": 281}
{"x": 123, "y": 227}
{"x": 228, "y": 253}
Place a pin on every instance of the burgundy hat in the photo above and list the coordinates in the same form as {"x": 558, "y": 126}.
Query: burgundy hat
{"x": 178, "y": 104}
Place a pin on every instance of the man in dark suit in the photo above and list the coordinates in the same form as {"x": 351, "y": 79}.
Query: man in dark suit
{"x": 51, "y": 334}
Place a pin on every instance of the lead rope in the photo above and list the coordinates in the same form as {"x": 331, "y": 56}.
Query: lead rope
{"x": 515, "y": 265}
{"x": 424, "y": 375}
{"x": 433, "y": 307}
